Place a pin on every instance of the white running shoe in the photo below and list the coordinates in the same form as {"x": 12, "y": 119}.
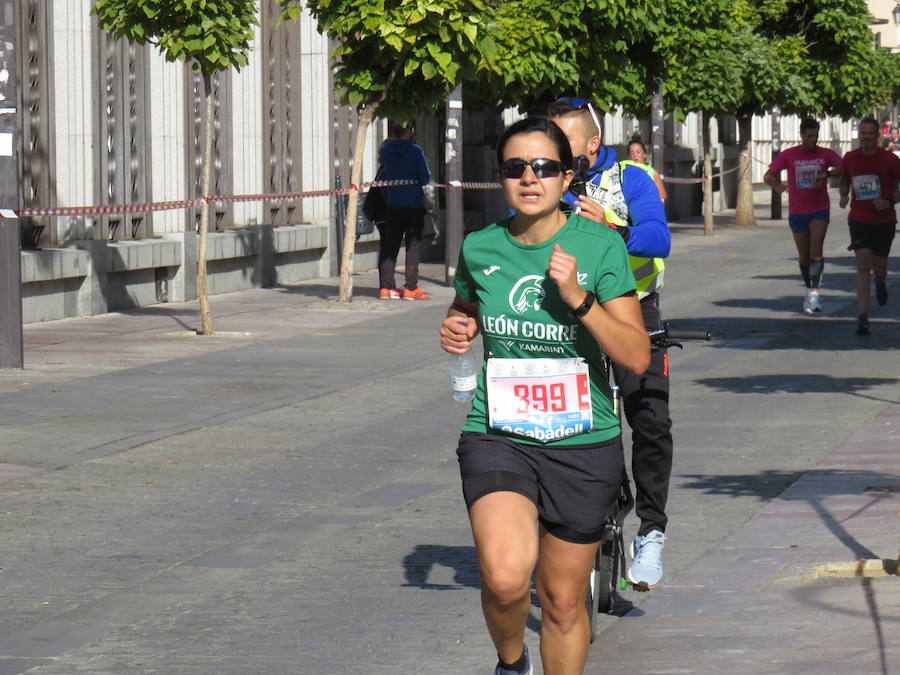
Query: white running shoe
{"x": 815, "y": 304}
{"x": 646, "y": 566}
{"x": 807, "y": 306}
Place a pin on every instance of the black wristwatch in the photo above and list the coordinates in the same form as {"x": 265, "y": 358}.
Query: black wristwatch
{"x": 585, "y": 306}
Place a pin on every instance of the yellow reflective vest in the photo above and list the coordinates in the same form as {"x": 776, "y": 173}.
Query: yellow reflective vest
{"x": 649, "y": 273}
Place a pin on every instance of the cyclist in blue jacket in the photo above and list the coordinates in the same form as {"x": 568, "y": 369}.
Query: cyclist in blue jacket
{"x": 623, "y": 196}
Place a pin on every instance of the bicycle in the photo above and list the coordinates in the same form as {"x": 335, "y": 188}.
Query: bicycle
{"x": 603, "y": 581}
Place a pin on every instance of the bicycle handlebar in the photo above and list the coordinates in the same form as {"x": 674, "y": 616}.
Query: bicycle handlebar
{"x": 664, "y": 338}
{"x": 690, "y": 335}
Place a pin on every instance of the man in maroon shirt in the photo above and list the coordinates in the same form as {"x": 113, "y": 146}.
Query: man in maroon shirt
{"x": 874, "y": 175}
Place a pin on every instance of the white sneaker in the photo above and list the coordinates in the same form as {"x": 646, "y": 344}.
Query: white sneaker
{"x": 646, "y": 565}
{"x": 815, "y": 305}
{"x": 807, "y": 304}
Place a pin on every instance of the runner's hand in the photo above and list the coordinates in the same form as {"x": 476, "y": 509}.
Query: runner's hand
{"x": 456, "y": 334}
{"x": 882, "y": 204}
{"x": 844, "y": 200}
{"x": 591, "y": 210}
{"x": 563, "y": 269}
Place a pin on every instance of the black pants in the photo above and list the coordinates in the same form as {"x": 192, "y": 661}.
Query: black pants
{"x": 400, "y": 221}
{"x": 646, "y": 399}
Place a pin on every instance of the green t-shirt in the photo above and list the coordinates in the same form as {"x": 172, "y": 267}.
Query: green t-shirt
{"x": 522, "y": 315}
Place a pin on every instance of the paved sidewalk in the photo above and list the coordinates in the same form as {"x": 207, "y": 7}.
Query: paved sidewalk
{"x": 788, "y": 591}
{"x": 134, "y": 411}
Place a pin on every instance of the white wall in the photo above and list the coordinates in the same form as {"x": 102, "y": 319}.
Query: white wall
{"x": 167, "y": 141}
{"x": 315, "y": 137}
{"x": 73, "y": 96}
{"x": 247, "y": 135}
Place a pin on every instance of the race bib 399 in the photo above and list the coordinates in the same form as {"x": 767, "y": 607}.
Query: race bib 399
{"x": 540, "y": 399}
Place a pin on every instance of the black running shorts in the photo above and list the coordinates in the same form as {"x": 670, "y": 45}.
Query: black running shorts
{"x": 876, "y": 237}
{"x": 574, "y": 488}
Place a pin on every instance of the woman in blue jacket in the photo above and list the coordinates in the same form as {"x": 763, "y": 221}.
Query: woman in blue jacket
{"x": 402, "y": 159}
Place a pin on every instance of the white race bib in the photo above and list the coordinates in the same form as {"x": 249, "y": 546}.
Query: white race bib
{"x": 805, "y": 175}
{"x": 867, "y": 187}
{"x": 541, "y": 399}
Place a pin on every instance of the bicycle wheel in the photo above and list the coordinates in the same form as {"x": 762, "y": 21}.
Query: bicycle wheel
{"x": 604, "y": 575}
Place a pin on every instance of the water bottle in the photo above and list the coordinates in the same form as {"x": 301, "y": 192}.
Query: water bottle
{"x": 463, "y": 375}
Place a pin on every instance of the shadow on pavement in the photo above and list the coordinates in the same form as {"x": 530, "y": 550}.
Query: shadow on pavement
{"x": 323, "y": 291}
{"x": 825, "y": 333}
{"x": 814, "y": 487}
{"x": 424, "y": 558}
{"x": 179, "y": 316}
{"x": 791, "y": 304}
{"x": 800, "y": 383}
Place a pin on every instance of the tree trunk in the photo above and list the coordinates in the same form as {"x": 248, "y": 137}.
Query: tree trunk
{"x": 345, "y": 290}
{"x": 707, "y": 175}
{"x": 744, "y": 212}
{"x": 202, "y": 291}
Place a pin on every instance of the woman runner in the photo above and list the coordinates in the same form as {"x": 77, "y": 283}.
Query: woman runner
{"x": 540, "y": 452}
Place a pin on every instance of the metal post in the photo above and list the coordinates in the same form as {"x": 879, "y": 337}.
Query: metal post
{"x": 10, "y": 235}
{"x": 453, "y": 158}
{"x": 657, "y": 130}
{"x": 776, "y": 150}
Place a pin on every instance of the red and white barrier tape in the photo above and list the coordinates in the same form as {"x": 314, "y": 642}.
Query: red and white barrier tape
{"x": 702, "y": 179}
{"x": 147, "y": 207}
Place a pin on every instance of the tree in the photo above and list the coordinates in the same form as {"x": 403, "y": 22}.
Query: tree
{"x": 212, "y": 35}
{"x": 834, "y": 66}
{"x": 848, "y": 75}
{"x": 714, "y": 63}
{"x": 744, "y": 58}
{"x": 551, "y": 48}
{"x": 396, "y": 58}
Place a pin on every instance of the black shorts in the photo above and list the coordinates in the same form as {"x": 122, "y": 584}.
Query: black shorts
{"x": 876, "y": 237}
{"x": 574, "y": 488}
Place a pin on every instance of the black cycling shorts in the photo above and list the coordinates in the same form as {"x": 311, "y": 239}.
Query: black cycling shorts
{"x": 876, "y": 237}
{"x": 574, "y": 488}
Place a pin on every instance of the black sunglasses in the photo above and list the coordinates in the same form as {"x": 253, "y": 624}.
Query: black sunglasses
{"x": 542, "y": 167}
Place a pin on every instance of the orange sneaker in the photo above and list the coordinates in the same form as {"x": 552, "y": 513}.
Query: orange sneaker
{"x": 388, "y": 294}
{"x": 415, "y": 294}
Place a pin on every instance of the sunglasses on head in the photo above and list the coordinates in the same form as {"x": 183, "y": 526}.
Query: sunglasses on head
{"x": 574, "y": 102}
{"x": 579, "y": 103}
{"x": 542, "y": 167}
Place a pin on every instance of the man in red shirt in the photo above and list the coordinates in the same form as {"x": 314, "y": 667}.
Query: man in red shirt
{"x": 807, "y": 167}
{"x": 874, "y": 176}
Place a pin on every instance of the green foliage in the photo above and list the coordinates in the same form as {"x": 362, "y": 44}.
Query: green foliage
{"x": 724, "y": 56}
{"x": 427, "y": 46}
{"x": 745, "y": 57}
{"x": 551, "y": 48}
{"x": 213, "y": 34}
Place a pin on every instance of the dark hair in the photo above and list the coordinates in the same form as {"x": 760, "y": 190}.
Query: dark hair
{"x": 399, "y": 129}
{"x": 538, "y": 124}
{"x": 636, "y": 139}
{"x": 564, "y": 107}
{"x": 809, "y": 123}
{"x": 870, "y": 120}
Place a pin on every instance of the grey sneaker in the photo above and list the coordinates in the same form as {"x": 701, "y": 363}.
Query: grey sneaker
{"x": 506, "y": 671}
{"x": 646, "y": 565}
